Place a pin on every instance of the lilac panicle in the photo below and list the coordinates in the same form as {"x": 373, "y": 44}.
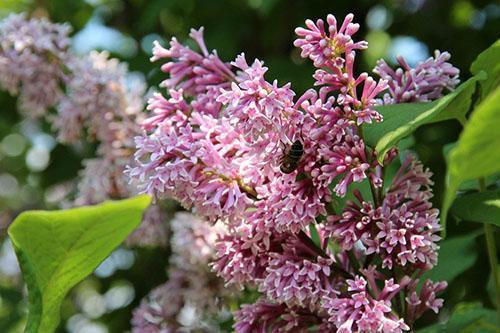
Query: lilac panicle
{"x": 359, "y": 311}
{"x": 267, "y": 316}
{"x": 261, "y": 111}
{"x": 94, "y": 97}
{"x": 215, "y": 141}
{"x": 190, "y": 285}
{"x": 196, "y": 75}
{"x": 296, "y": 281}
{"x": 32, "y": 52}
{"x": 325, "y": 47}
{"x": 426, "y": 82}
{"x": 403, "y": 231}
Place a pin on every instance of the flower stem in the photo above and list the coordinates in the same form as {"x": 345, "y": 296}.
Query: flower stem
{"x": 306, "y": 240}
{"x": 373, "y": 189}
{"x": 492, "y": 251}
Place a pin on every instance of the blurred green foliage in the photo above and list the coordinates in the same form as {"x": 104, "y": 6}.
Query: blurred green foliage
{"x": 263, "y": 29}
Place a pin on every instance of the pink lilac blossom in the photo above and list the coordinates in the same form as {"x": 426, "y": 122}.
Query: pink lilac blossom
{"x": 199, "y": 169}
{"x": 32, "y": 52}
{"x": 266, "y": 316}
{"x": 426, "y": 82}
{"x": 420, "y": 302}
{"x": 153, "y": 230}
{"x": 326, "y": 46}
{"x": 290, "y": 205}
{"x": 403, "y": 230}
{"x": 219, "y": 158}
{"x": 100, "y": 180}
{"x": 261, "y": 111}
{"x": 296, "y": 281}
{"x": 104, "y": 104}
{"x": 200, "y": 76}
{"x": 359, "y": 311}
{"x": 243, "y": 254}
{"x": 190, "y": 285}
{"x": 92, "y": 94}
{"x": 342, "y": 79}
{"x": 333, "y": 148}
{"x": 103, "y": 99}
{"x": 189, "y": 147}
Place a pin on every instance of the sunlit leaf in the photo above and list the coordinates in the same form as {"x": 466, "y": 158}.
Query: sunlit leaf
{"x": 58, "y": 249}
{"x": 477, "y": 152}
{"x": 400, "y": 120}
{"x": 488, "y": 61}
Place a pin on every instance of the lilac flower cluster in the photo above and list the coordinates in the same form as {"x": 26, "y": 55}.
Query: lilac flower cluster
{"x": 102, "y": 103}
{"x": 402, "y": 230}
{"x": 219, "y": 143}
{"x": 426, "y": 82}
{"x": 92, "y": 94}
{"x": 191, "y": 287}
{"x": 31, "y": 56}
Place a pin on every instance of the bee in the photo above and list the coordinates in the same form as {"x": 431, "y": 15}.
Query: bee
{"x": 291, "y": 157}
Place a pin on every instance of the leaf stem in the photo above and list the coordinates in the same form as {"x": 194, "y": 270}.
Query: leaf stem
{"x": 307, "y": 241}
{"x": 373, "y": 189}
{"x": 492, "y": 251}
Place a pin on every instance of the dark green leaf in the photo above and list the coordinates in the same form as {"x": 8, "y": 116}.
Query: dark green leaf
{"x": 456, "y": 255}
{"x": 478, "y": 207}
{"x": 467, "y": 318}
{"x": 58, "y": 249}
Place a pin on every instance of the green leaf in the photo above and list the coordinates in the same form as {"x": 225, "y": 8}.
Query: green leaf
{"x": 314, "y": 234}
{"x": 469, "y": 184}
{"x": 478, "y": 207}
{"x": 490, "y": 288}
{"x": 58, "y": 249}
{"x": 477, "y": 152}
{"x": 467, "y": 318}
{"x": 488, "y": 61}
{"x": 400, "y": 120}
{"x": 456, "y": 255}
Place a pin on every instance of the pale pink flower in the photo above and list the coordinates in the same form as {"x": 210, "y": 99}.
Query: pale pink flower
{"x": 325, "y": 47}
{"x": 32, "y": 56}
{"x": 261, "y": 111}
{"x": 403, "y": 230}
{"x": 425, "y": 299}
{"x": 190, "y": 285}
{"x": 428, "y": 81}
{"x": 360, "y": 311}
{"x": 198, "y": 75}
{"x": 267, "y": 316}
{"x": 243, "y": 255}
{"x": 295, "y": 281}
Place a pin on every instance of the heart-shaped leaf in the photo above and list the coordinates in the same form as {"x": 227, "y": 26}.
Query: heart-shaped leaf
{"x": 58, "y": 249}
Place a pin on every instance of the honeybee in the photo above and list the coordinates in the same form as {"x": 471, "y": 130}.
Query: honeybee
{"x": 291, "y": 157}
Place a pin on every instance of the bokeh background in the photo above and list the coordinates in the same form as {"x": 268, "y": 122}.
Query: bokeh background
{"x": 37, "y": 173}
